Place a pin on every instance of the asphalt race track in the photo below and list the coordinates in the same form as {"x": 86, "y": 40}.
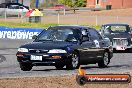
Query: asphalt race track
{"x": 9, "y": 67}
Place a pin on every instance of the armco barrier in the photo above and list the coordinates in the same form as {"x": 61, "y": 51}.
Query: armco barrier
{"x": 18, "y": 33}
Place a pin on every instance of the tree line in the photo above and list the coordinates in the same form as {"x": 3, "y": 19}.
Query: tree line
{"x": 50, "y": 3}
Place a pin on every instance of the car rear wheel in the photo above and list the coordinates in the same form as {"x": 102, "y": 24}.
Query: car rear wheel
{"x": 105, "y": 61}
{"x": 73, "y": 62}
{"x": 25, "y": 66}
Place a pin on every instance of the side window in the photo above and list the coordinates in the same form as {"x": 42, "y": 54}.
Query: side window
{"x": 13, "y": 7}
{"x": 85, "y": 35}
{"x": 2, "y": 5}
{"x": 94, "y": 35}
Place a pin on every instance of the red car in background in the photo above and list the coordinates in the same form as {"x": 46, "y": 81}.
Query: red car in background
{"x": 59, "y": 7}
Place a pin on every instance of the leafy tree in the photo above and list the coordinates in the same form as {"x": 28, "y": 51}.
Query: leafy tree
{"x": 66, "y": 2}
{"x": 73, "y": 3}
{"x": 81, "y": 3}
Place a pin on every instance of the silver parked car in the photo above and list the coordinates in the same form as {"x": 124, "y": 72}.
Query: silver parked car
{"x": 13, "y": 9}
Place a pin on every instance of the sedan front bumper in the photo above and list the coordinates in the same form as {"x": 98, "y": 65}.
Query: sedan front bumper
{"x": 42, "y": 59}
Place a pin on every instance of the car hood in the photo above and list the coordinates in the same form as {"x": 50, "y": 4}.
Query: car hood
{"x": 119, "y": 35}
{"x": 47, "y": 45}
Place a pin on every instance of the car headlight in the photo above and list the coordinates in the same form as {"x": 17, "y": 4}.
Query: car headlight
{"x": 22, "y": 50}
{"x": 57, "y": 51}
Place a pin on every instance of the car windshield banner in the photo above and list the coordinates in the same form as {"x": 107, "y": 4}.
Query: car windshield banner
{"x": 18, "y": 33}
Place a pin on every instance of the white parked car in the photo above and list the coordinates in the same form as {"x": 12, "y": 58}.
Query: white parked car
{"x": 13, "y": 9}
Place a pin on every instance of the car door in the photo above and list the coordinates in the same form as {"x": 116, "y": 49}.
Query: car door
{"x": 16, "y": 10}
{"x": 86, "y": 52}
{"x": 13, "y": 9}
{"x": 98, "y": 42}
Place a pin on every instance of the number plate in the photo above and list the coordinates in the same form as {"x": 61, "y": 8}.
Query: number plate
{"x": 120, "y": 48}
{"x": 33, "y": 57}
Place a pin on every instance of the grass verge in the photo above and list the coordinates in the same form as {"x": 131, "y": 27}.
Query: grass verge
{"x": 33, "y": 25}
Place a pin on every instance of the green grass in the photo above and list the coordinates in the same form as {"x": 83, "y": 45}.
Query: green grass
{"x": 25, "y": 25}
{"x": 33, "y": 25}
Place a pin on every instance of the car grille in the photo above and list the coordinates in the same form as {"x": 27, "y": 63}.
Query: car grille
{"x": 37, "y": 51}
{"x": 120, "y": 42}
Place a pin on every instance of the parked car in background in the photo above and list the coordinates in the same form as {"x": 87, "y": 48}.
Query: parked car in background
{"x": 13, "y": 9}
{"x": 120, "y": 35}
{"x": 61, "y": 7}
{"x": 69, "y": 46}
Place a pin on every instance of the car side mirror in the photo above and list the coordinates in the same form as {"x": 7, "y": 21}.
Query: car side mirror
{"x": 34, "y": 37}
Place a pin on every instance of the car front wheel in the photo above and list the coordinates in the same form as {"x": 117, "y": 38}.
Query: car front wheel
{"x": 73, "y": 62}
{"x": 25, "y": 66}
{"x": 105, "y": 60}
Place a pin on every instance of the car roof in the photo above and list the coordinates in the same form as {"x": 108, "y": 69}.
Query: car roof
{"x": 7, "y": 4}
{"x": 116, "y": 24}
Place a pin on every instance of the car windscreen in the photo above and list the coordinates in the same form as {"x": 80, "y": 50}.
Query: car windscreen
{"x": 57, "y": 35}
{"x": 116, "y": 29}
